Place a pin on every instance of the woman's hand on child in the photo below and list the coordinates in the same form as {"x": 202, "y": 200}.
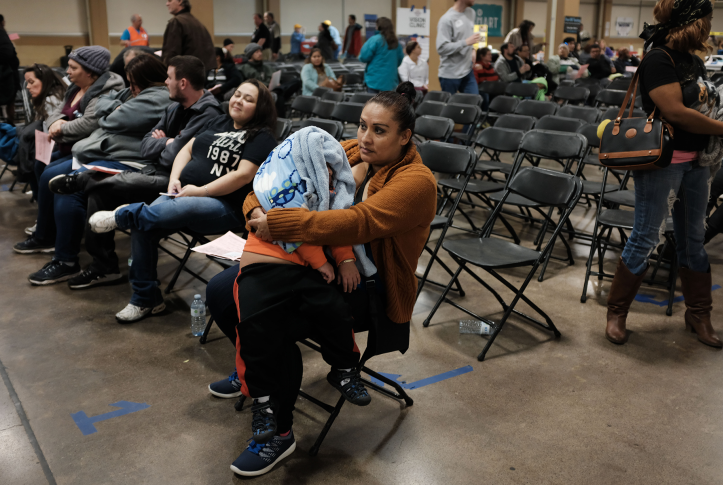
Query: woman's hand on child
{"x": 260, "y": 224}
{"x": 327, "y": 271}
{"x": 349, "y": 277}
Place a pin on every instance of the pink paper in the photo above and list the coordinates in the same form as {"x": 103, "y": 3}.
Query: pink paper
{"x": 98, "y": 168}
{"x": 13, "y": 36}
{"x": 229, "y": 246}
{"x": 582, "y": 71}
{"x": 43, "y": 147}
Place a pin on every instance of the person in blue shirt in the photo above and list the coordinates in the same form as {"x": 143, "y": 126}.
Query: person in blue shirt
{"x": 336, "y": 37}
{"x": 315, "y": 72}
{"x": 296, "y": 39}
{"x": 383, "y": 55}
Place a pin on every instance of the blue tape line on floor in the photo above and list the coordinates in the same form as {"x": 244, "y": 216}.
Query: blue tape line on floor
{"x": 651, "y": 299}
{"x": 87, "y": 424}
{"x": 426, "y": 381}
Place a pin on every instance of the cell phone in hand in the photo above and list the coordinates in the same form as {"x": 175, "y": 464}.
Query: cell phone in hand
{"x": 168, "y": 194}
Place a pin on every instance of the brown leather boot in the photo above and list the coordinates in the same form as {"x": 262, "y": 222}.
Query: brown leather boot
{"x": 622, "y": 293}
{"x": 699, "y": 303}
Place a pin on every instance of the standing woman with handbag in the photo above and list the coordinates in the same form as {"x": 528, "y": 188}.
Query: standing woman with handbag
{"x": 672, "y": 82}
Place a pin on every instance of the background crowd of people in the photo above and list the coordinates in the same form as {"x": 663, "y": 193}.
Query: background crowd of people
{"x": 195, "y": 124}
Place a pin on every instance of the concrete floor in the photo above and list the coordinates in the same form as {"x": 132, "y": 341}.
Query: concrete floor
{"x": 539, "y": 410}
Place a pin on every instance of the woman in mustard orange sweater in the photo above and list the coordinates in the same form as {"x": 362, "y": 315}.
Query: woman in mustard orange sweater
{"x": 394, "y": 206}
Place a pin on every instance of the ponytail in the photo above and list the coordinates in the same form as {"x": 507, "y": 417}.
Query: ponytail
{"x": 401, "y": 103}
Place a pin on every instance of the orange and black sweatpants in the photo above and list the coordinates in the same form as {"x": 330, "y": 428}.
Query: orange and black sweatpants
{"x": 278, "y": 305}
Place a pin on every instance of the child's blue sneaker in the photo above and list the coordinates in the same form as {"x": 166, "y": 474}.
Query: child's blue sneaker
{"x": 226, "y": 388}
{"x": 260, "y": 458}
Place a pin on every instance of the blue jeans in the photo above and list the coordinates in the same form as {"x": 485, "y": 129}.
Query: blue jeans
{"x": 687, "y": 185}
{"x": 166, "y": 215}
{"x": 467, "y": 84}
{"x": 70, "y": 217}
{"x": 45, "y": 230}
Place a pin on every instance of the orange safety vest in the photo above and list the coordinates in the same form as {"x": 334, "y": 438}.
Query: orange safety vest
{"x": 138, "y": 38}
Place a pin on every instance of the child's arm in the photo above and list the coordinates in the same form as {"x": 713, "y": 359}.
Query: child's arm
{"x": 359, "y": 171}
{"x": 349, "y": 277}
{"x": 314, "y": 255}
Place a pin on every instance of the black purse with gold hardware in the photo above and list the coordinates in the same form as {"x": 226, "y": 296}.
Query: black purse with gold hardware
{"x": 636, "y": 143}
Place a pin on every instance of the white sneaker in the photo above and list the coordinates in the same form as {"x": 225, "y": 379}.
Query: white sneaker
{"x": 31, "y": 230}
{"x": 104, "y": 221}
{"x": 132, "y": 313}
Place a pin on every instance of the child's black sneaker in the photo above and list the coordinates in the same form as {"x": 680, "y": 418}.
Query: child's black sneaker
{"x": 263, "y": 423}
{"x": 349, "y": 384}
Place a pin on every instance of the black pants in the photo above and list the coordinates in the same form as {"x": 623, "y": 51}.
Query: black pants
{"x": 289, "y": 310}
{"x": 283, "y": 93}
{"x": 107, "y": 193}
{"x": 715, "y": 221}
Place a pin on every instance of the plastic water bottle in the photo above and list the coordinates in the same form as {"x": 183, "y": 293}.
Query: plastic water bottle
{"x": 198, "y": 316}
{"x": 474, "y": 326}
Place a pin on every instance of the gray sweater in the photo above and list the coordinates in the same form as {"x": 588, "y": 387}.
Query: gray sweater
{"x": 502, "y": 68}
{"x": 123, "y": 122}
{"x": 181, "y": 125}
{"x": 80, "y": 128}
{"x": 455, "y": 56}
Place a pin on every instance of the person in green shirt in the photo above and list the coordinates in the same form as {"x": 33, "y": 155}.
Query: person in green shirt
{"x": 254, "y": 67}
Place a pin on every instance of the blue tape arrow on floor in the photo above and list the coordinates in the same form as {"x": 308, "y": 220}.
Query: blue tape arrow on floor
{"x": 426, "y": 381}
{"x": 86, "y": 424}
{"x": 651, "y": 299}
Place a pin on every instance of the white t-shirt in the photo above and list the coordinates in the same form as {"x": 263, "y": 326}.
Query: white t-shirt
{"x": 417, "y": 74}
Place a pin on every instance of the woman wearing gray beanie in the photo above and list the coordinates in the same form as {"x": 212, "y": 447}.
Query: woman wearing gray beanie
{"x": 74, "y": 120}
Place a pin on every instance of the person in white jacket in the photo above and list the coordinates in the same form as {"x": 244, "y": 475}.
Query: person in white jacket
{"x": 414, "y": 69}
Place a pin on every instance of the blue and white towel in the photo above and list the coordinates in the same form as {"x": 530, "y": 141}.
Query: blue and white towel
{"x": 295, "y": 175}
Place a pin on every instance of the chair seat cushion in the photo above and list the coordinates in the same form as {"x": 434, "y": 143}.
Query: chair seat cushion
{"x": 438, "y": 222}
{"x": 617, "y": 218}
{"x": 490, "y": 166}
{"x": 515, "y": 199}
{"x": 473, "y": 187}
{"x": 622, "y": 197}
{"x": 589, "y": 187}
{"x": 491, "y": 252}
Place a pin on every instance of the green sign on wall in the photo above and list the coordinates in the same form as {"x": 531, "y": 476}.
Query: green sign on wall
{"x": 491, "y": 16}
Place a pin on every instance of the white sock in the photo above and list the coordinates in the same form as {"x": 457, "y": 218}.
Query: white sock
{"x": 262, "y": 400}
{"x": 344, "y": 382}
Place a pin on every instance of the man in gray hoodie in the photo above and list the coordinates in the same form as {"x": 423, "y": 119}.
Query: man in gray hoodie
{"x": 181, "y": 120}
{"x": 455, "y": 37}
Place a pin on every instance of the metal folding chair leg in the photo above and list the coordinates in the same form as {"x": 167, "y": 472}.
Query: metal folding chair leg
{"x": 400, "y": 395}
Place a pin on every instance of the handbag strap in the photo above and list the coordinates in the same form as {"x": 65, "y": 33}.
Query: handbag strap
{"x": 632, "y": 91}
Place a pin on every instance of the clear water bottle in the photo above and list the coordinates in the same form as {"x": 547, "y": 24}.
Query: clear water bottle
{"x": 198, "y": 316}
{"x": 474, "y": 326}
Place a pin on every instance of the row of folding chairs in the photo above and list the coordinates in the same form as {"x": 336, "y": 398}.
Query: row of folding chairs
{"x": 536, "y": 186}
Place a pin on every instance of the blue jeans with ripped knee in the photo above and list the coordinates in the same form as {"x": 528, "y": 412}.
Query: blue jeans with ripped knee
{"x": 685, "y": 185}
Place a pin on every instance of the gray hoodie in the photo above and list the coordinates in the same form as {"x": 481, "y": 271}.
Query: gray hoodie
{"x": 181, "y": 125}
{"x": 123, "y": 122}
{"x": 80, "y": 128}
{"x": 455, "y": 56}
{"x": 502, "y": 68}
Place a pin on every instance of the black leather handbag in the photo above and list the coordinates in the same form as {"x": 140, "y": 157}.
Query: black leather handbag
{"x": 636, "y": 143}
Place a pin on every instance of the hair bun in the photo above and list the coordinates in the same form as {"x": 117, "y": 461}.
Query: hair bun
{"x": 407, "y": 90}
